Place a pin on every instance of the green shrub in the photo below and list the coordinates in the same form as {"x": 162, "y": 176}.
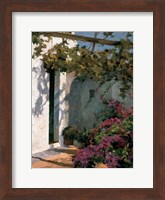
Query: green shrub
{"x": 70, "y": 132}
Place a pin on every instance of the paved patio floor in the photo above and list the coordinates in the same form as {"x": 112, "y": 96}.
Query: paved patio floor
{"x": 60, "y": 157}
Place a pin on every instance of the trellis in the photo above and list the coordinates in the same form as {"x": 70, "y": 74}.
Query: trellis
{"x": 82, "y": 38}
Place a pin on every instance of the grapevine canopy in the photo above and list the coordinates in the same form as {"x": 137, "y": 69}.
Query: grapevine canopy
{"x": 103, "y": 57}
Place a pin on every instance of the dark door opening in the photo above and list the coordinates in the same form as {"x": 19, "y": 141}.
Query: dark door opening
{"x": 51, "y": 106}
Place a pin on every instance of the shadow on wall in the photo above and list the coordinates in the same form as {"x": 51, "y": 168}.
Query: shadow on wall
{"x": 83, "y": 104}
{"x": 85, "y": 101}
{"x": 42, "y": 89}
{"x": 63, "y": 107}
{"x": 60, "y": 111}
{"x": 74, "y": 102}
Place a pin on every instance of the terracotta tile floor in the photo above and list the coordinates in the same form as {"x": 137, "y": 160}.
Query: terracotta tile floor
{"x": 55, "y": 158}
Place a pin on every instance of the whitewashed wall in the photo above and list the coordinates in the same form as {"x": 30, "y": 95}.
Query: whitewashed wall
{"x": 40, "y": 103}
{"x": 83, "y": 108}
{"x": 40, "y": 107}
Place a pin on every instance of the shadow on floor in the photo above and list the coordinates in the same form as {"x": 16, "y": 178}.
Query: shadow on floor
{"x": 54, "y": 162}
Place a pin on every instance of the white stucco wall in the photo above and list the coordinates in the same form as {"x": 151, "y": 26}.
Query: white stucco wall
{"x": 83, "y": 108}
{"x": 40, "y": 107}
{"x": 40, "y": 103}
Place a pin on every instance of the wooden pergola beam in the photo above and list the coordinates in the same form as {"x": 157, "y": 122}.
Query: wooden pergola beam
{"x": 81, "y": 38}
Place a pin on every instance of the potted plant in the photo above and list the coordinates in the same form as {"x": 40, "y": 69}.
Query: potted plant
{"x": 69, "y": 133}
{"x": 80, "y": 139}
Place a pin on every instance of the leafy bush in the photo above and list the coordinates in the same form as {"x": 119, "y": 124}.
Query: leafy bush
{"x": 103, "y": 128}
{"x": 112, "y": 151}
{"x": 82, "y": 137}
{"x": 70, "y": 132}
{"x": 111, "y": 142}
{"x": 114, "y": 109}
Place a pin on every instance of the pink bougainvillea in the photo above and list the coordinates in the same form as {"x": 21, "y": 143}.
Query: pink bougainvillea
{"x": 111, "y": 142}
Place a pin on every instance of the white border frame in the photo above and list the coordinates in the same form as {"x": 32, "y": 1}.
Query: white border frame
{"x": 141, "y": 176}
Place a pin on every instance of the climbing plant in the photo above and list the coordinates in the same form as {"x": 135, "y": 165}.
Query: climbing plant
{"x": 113, "y": 63}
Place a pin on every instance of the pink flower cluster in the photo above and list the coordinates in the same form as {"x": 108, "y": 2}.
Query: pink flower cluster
{"x": 107, "y": 123}
{"x": 85, "y": 157}
{"x": 107, "y": 141}
{"x": 116, "y": 140}
{"x": 112, "y": 161}
{"x": 120, "y": 109}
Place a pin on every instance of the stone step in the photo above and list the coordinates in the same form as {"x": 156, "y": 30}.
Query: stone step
{"x": 70, "y": 149}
